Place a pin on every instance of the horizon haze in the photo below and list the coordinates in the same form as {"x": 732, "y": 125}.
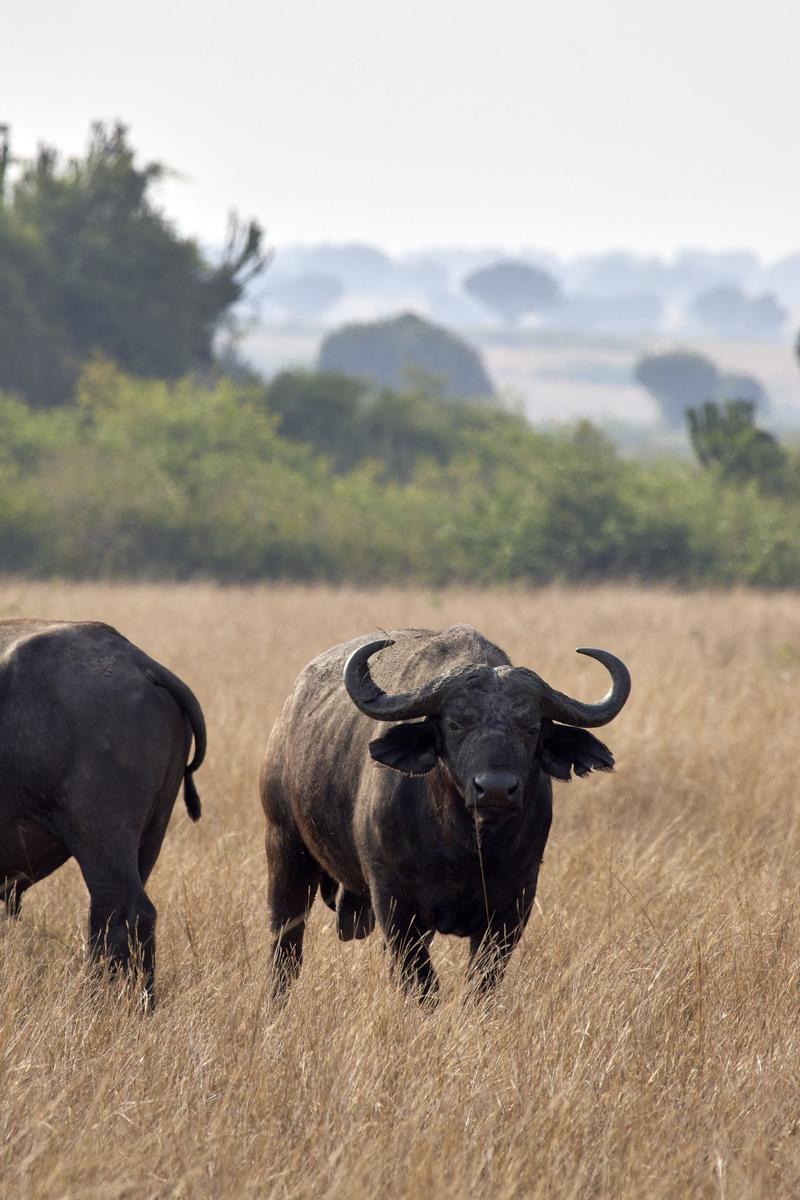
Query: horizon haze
{"x": 518, "y": 125}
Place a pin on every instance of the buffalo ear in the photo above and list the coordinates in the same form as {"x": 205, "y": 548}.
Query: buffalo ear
{"x": 565, "y": 749}
{"x": 410, "y": 747}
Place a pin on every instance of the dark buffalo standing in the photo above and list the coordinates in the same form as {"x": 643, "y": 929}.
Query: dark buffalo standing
{"x": 94, "y": 740}
{"x": 450, "y": 838}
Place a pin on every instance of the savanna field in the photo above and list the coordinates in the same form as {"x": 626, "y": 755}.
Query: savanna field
{"x": 646, "y": 1040}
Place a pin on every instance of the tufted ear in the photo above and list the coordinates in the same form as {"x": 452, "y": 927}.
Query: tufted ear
{"x": 565, "y": 749}
{"x": 410, "y": 747}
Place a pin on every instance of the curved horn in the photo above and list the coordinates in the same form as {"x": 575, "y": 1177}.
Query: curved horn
{"x": 573, "y": 712}
{"x": 374, "y": 702}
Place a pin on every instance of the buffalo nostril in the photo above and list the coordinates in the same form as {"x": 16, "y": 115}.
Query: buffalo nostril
{"x": 495, "y": 787}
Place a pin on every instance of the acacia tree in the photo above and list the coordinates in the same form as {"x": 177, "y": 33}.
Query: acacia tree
{"x": 89, "y": 264}
{"x": 513, "y": 289}
{"x": 677, "y": 380}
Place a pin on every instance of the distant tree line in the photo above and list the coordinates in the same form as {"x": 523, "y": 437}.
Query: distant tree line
{"x": 320, "y": 477}
{"x": 130, "y": 447}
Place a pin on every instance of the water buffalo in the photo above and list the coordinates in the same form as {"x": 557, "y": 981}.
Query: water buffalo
{"x": 447, "y": 840}
{"x": 94, "y": 741}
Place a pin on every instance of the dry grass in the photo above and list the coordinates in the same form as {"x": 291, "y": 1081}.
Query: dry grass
{"x": 645, "y": 1043}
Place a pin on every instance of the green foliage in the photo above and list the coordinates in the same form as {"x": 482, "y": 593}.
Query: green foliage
{"x": 349, "y": 421}
{"x": 88, "y": 264}
{"x": 318, "y": 477}
{"x": 726, "y": 436}
{"x": 393, "y": 352}
{"x": 513, "y": 289}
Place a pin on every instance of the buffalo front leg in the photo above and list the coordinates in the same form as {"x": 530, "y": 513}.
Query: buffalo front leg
{"x": 293, "y": 878}
{"x": 490, "y": 950}
{"x": 408, "y": 943}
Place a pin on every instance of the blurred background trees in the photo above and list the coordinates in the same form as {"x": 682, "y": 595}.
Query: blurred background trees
{"x": 726, "y": 311}
{"x": 136, "y": 440}
{"x": 513, "y": 290}
{"x": 680, "y": 380}
{"x": 88, "y": 265}
{"x": 393, "y": 352}
{"x": 308, "y": 297}
{"x": 725, "y": 436}
{"x": 677, "y": 380}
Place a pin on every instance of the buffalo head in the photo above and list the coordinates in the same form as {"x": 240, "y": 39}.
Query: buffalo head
{"x": 488, "y": 727}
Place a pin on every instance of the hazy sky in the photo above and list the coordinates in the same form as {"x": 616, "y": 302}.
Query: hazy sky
{"x": 571, "y": 124}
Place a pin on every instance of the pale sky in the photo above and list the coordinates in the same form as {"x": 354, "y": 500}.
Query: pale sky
{"x": 570, "y": 125}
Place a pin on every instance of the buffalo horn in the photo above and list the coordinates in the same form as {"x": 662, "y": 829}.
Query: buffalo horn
{"x": 371, "y": 700}
{"x": 563, "y": 708}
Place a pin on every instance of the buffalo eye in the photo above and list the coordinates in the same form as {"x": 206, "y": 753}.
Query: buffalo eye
{"x": 453, "y": 725}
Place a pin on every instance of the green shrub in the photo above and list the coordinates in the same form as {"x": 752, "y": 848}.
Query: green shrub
{"x": 151, "y": 479}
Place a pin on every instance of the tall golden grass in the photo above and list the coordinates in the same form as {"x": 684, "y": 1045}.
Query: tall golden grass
{"x": 646, "y": 1042}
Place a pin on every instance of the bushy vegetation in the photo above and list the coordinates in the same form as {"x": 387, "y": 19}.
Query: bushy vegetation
{"x": 725, "y": 436}
{"x": 130, "y": 446}
{"x": 316, "y": 477}
{"x": 89, "y": 264}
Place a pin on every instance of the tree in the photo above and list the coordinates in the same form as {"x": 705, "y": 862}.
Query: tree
{"x": 677, "y": 380}
{"x": 726, "y": 436}
{"x": 513, "y": 289}
{"x": 389, "y": 352}
{"x": 728, "y": 312}
{"x": 89, "y": 264}
{"x": 308, "y": 296}
{"x": 736, "y": 385}
{"x": 349, "y": 421}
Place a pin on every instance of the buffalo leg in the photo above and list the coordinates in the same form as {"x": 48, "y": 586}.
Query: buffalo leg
{"x": 408, "y": 945}
{"x": 11, "y": 892}
{"x": 122, "y": 918}
{"x": 489, "y": 953}
{"x": 355, "y": 918}
{"x": 293, "y": 878}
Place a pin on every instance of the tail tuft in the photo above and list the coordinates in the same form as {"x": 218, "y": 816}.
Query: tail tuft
{"x": 190, "y": 797}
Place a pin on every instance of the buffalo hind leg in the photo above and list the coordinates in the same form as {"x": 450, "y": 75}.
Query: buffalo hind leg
{"x": 122, "y": 918}
{"x": 293, "y": 878}
{"x": 408, "y": 943}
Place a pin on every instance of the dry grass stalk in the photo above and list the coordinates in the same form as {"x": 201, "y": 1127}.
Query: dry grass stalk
{"x": 646, "y": 1042}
